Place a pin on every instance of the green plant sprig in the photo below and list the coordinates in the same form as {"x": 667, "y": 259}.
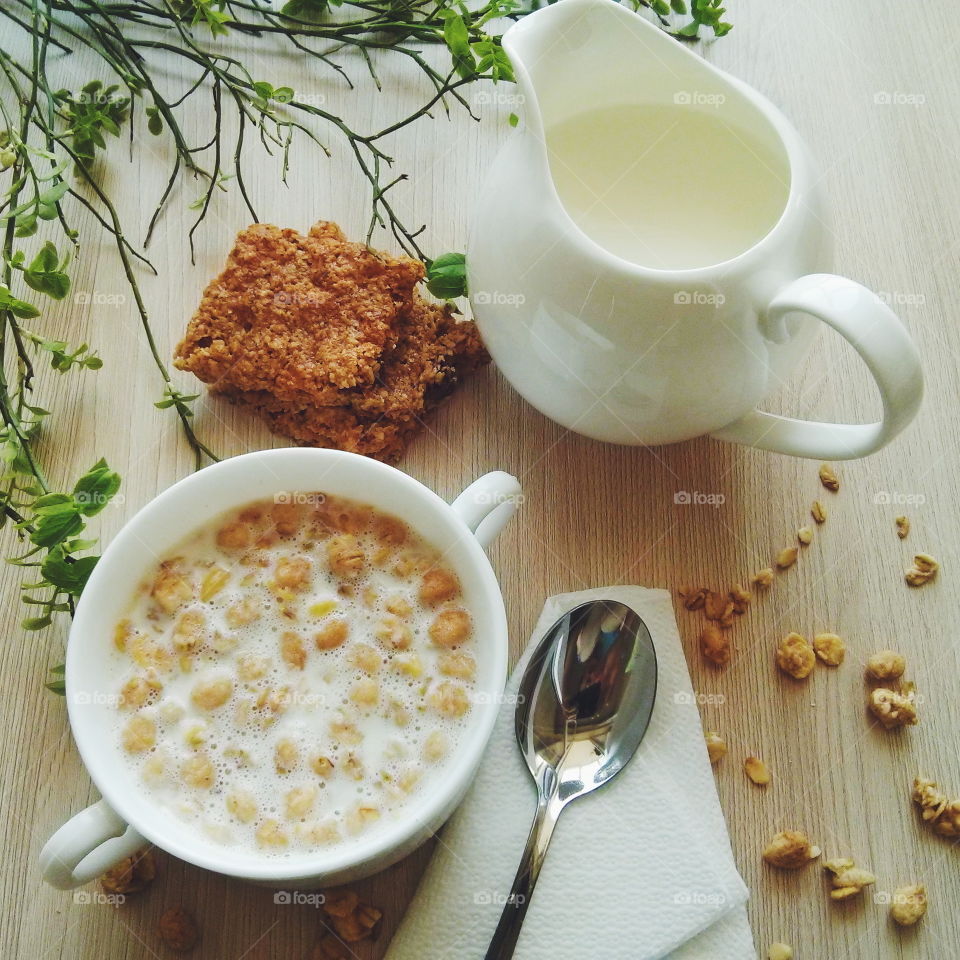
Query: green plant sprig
{"x": 52, "y": 136}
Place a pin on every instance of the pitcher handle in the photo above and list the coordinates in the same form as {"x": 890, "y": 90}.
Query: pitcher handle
{"x": 487, "y": 504}
{"x": 877, "y": 334}
{"x": 87, "y": 846}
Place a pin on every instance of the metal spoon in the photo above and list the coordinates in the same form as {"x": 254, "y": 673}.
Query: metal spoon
{"x": 584, "y": 704}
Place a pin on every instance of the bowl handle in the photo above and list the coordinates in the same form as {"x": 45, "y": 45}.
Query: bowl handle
{"x": 86, "y": 846}
{"x": 487, "y": 504}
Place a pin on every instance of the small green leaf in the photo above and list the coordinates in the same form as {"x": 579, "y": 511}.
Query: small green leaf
{"x": 447, "y": 276}
{"x": 94, "y": 490}
{"x": 513, "y": 119}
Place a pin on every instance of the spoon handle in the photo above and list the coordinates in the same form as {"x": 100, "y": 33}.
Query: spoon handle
{"x": 515, "y": 909}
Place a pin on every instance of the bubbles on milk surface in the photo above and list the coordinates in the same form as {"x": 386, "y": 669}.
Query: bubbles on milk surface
{"x": 294, "y": 673}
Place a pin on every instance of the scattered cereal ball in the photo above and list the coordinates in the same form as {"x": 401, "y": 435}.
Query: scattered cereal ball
{"x": 795, "y": 656}
{"x": 457, "y": 664}
{"x": 409, "y": 778}
{"x": 285, "y": 755}
{"x": 450, "y": 628}
{"x": 320, "y": 833}
{"x": 286, "y": 518}
{"x": 393, "y": 634}
{"x": 234, "y": 536}
{"x": 829, "y": 648}
{"x": 345, "y": 555}
{"x": 344, "y": 730}
{"x": 435, "y": 746}
{"x": 365, "y": 658}
{"x": 154, "y": 770}
{"x": 757, "y": 771}
{"x": 365, "y": 692}
{"x": 137, "y": 691}
{"x": 195, "y": 735}
{"x": 242, "y": 805}
{"x": 178, "y": 930}
{"x": 715, "y": 645}
{"x": 353, "y": 767}
{"x": 198, "y": 771}
{"x": 438, "y": 585}
{"x": 332, "y": 635}
{"x": 398, "y": 605}
{"x": 848, "y": 879}
{"x": 716, "y": 746}
{"x": 779, "y": 951}
{"x": 251, "y": 668}
{"x": 122, "y": 632}
{"x": 787, "y": 557}
{"x": 322, "y": 766}
{"x": 139, "y": 734}
{"x": 170, "y": 588}
{"x": 276, "y": 700}
{"x": 892, "y": 708}
{"x": 351, "y": 918}
{"x": 242, "y": 613}
{"x": 828, "y": 477}
{"x": 398, "y": 713}
{"x": 146, "y": 653}
{"x": 271, "y": 834}
{"x": 790, "y": 850}
{"x": 886, "y": 665}
{"x": 908, "y": 904}
{"x": 360, "y": 818}
{"x": 214, "y": 580}
{"x": 188, "y": 631}
{"x": 409, "y": 664}
{"x": 131, "y": 875}
{"x": 292, "y": 650}
{"x": 299, "y": 801}
{"x": 210, "y": 694}
{"x": 391, "y": 531}
{"x": 763, "y": 578}
{"x": 292, "y": 573}
{"x": 450, "y": 699}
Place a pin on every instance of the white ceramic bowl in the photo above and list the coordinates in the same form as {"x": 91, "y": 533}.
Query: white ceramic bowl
{"x": 126, "y": 817}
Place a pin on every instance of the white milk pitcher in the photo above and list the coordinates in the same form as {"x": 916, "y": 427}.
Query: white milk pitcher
{"x": 646, "y": 262}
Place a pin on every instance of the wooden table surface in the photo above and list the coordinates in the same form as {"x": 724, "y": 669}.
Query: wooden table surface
{"x": 876, "y": 96}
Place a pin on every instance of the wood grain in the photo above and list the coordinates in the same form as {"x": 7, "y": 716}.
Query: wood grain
{"x": 594, "y": 514}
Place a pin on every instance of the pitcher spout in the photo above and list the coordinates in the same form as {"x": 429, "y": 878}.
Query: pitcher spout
{"x": 576, "y": 56}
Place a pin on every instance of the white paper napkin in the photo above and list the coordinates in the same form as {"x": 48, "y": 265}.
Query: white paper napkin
{"x": 639, "y": 870}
